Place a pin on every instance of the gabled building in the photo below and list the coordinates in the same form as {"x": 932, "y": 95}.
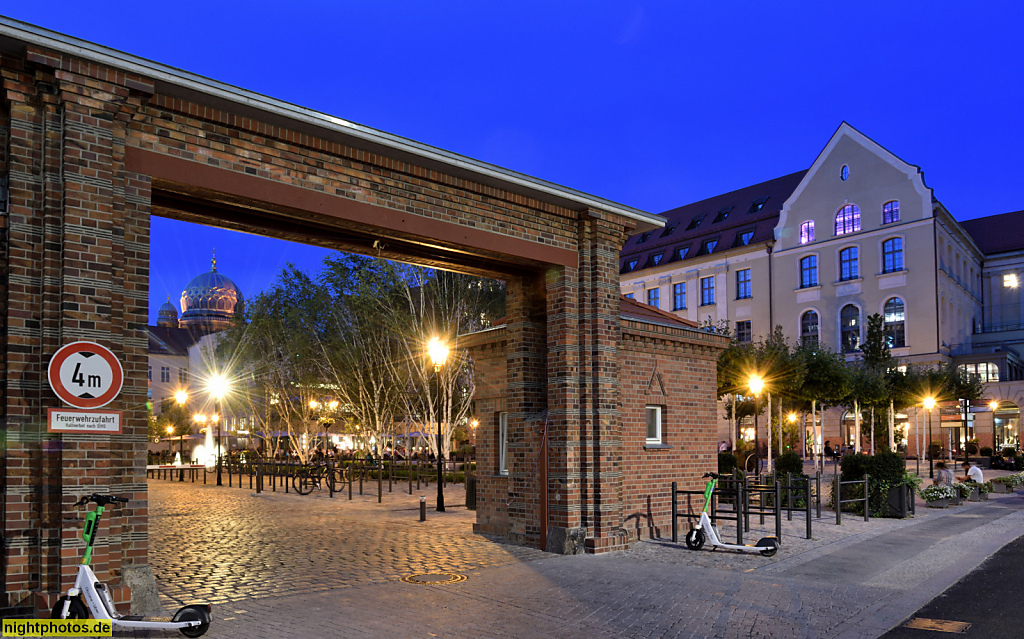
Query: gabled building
{"x": 817, "y": 251}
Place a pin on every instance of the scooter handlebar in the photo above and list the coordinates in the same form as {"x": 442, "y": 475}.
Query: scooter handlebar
{"x": 100, "y": 500}
{"x": 711, "y": 475}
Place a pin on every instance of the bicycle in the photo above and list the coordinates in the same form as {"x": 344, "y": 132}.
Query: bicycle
{"x": 191, "y": 621}
{"x": 312, "y": 476}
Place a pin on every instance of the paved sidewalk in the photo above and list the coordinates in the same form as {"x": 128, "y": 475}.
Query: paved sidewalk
{"x": 280, "y": 565}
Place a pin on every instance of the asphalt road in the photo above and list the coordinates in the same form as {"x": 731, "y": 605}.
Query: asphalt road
{"x": 988, "y": 598}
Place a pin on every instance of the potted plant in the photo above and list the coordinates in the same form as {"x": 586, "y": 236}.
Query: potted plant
{"x": 937, "y": 496}
{"x": 984, "y": 490}
{"x": 1000, "y": 485}
{"x": 967, "y": 490}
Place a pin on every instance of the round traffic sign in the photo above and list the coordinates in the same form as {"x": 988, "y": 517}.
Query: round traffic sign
{"x": 85, "y": 375}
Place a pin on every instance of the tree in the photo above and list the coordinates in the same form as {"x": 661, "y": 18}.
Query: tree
{"x": 826, "y": 382}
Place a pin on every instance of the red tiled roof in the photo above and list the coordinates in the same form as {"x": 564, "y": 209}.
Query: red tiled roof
{"x": 728, "y": 231}
{"x": 997, "y": 233}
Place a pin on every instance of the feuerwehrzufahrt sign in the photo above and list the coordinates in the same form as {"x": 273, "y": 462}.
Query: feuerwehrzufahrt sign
{"x": 85, "y": 375}
{"x": 69, "y": 420}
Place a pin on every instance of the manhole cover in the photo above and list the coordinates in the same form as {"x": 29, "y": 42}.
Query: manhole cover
{"x": 940, "y": 625}
{"x": 434, "y": 578}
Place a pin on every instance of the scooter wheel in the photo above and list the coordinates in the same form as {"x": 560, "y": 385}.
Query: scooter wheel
{"x": 770, "y": 545}
{"x": 695, "y": 539}
{"x": 192, "y": 613}
{"x": 76, "y": 610}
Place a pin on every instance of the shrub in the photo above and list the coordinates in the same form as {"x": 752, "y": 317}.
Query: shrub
{"x": 789, "y": 462}
{"x": 726, "y": 463}
{"x": 1009, "y": 451}
{"x": 886, "y": 469}
{"x": 931, "y": 493}
{"x": 986, "y": 451}
{"x": 853, "y": 466}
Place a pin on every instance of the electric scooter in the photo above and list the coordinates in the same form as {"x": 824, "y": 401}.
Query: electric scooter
{"x": 192, "y": 621}
{"x": 705, "y": 531}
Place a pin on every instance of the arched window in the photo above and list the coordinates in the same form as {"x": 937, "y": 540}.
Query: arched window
{"x": 809, "y": 328}
{"x": 895, "y": 323}
{"x": 849, "y": 322}
{"x": 807, "y": 232}
{"x": 847, "y": 219}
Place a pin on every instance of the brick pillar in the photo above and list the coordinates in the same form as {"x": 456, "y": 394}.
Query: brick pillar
{"x": 78, "y": 247}
{"x": 601, "y": 458}
{"x": 527, "y": 377}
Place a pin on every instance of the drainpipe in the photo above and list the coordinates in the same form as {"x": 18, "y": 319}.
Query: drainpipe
{"x": 771, "y": 294}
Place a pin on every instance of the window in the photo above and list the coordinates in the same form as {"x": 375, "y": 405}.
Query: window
{"x": 891, "y": 212}
{"x": 895, "y": 323}
{"x": 757, "y": 205}
{"x": 1010, "y": 280}
{"x": 743, "y": 237}
{"x": 656, "y": 259}
{"x": 844, "y": 173}
{"x": 695, "y": 222}
{"x": 654, "y": 297}
{"x": 708, "y": 246}
{"x": 631, "y": 296}
{"x": 679, "y": 296}
{"x": 743, "y": 335}
{"x": 807, "y": 232}
{"x": 724, "y": 213}
{"x": 669, "y": 230}
{"x": 848, "y": 219}
{"x": 643, "y": 238}
{"x": 631, "y": 265}
{"x": 707, "y": 291}
{"x": 984, "y": 371}
{"x": 809, "y": 271}
{"x": 743, "y": 284}
{"x": 654, "y": 424}
{"x": 849, "y": 322}
{"x": 809, "y": 328}
{"x": 165, "y": 373}
{"x": 892, "y": 255}
{"x": 502, "y": 443}
{"x": 848, "y": 267}
{"x": 183, "y": 376}
{"x": 681, "y": 252}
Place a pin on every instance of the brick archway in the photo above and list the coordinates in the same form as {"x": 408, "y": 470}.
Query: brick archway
{"x": 96, "y": 141}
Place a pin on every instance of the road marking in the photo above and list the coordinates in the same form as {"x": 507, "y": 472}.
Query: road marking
{"x": 940, "y": 625}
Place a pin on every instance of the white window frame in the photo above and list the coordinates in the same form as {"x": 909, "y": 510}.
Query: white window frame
{"x": 503, "y": 444}
{"x": 657, "y": 415}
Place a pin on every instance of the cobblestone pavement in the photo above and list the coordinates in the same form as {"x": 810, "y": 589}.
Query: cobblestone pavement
{"x": 286, "y": 566}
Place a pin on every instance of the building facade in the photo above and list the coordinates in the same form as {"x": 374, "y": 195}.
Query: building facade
{"x": 818, "y": 251}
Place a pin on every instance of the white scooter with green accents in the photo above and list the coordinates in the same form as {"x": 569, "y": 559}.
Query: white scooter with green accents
{"x": 705, "y": 532}
{"x": 191, "y": 621}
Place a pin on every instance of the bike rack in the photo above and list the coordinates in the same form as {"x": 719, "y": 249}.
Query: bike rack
{"x": 837, "y": 487}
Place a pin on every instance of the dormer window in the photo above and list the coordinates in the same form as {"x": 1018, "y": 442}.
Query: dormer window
{"x": 744, "y": 237}
{"x": 643, "y": 238}
{"x": 807, "y": 232}
{"x": 669, "y": 229}
{"x": 708, "y": 246}
{"x": 724, "y": 213}
{"x": 681, "y": 252}
{"x": 656, "y": 259}
{"x": 695, "y": 222}
{"x": 631, "y": 265}
{"x": 757, "y": 205}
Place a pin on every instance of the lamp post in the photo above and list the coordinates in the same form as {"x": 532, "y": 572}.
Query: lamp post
{"x": 756, "y": 384}
{"x": 929, "y": 404}
{"x": 181, "y": 397}
{"x": 994, "y": 405}
{"x": 170, "y": 431}
{"x": 438, "y": 355}
{"x": 218, "y": 388}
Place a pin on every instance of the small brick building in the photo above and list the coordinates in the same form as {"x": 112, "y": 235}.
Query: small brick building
{"x": 667, "y": 375}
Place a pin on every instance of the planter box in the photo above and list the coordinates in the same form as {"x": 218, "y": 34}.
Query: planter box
{"x": 899, "y": 502}
{"x": 1000, "y": 487}
{"x": 956, "y": 501}
{"x": 938, "y": 503}
{"x": 975, "y": 495}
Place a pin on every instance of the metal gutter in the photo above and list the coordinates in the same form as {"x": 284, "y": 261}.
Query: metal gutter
{"x": 38, "y": 36}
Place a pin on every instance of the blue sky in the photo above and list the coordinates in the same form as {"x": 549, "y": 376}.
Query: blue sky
{"x": 652, "y": 104}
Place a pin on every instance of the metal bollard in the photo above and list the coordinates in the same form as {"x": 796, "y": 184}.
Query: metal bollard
{"x": 380, "y": 481}
{"x": 778, "y": 511}
{"x": 817, "y": 491}
{"x": 867, "y": 509}
{"x": 808, "y": 506}
{"x": 789, "y": 496}
{"x": 423, "y": 508}
{"x": 837, "y": 499}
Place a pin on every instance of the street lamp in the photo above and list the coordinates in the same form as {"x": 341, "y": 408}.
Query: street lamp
{"x": 170, "y": 431}
{"x": 994, "y": 405}
{"x": 438, "y": 353}
{"x": 929, "y": 404}
{"x": 181, "y": 397}
{"x": 218, "y": 387}
{"x": 756, "y": 384}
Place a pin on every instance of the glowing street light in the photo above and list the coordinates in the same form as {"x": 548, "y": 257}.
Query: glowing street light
{"x": 756, "y": 384}
{"x": 994, "y": 405}
{"x": 218, "y": 387}
{"x": 929, "y": 404}
{"x": 438, "y": 353}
